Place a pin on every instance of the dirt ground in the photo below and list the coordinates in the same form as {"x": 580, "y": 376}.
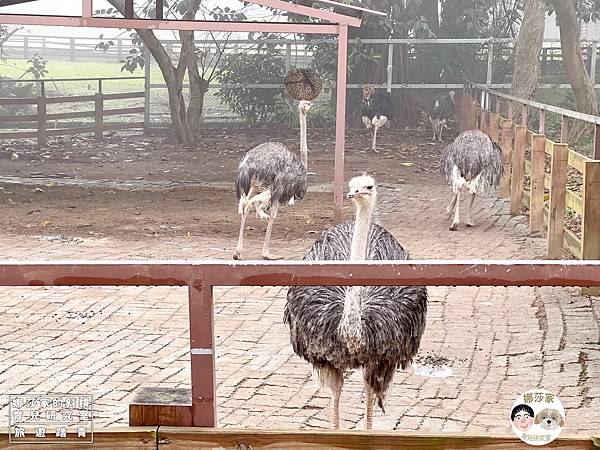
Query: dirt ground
{"x": 134, "y": 187}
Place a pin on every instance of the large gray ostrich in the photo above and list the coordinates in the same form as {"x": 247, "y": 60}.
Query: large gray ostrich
{"x": 472, "y": 163}
{"x": 270, "y": 175}
{"x": 376, "y": 328}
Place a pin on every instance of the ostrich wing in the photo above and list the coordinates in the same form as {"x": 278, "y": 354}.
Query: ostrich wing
{"x": 272, "y": 166}
{"x": 393, "y": 316}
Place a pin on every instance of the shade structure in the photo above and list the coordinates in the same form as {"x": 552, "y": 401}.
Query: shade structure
{"x": 334, "y": 19}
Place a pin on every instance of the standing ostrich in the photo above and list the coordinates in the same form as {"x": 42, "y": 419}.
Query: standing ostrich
{"x": 376, "y": 328}
{"x": 376, "y": 110}
{"x": 270, "y": 175}
{"x": 440, "y": 112}
{"x": 473, "y": 162}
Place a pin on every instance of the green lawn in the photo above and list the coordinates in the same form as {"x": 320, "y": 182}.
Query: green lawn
{"x": 14, "y": 68}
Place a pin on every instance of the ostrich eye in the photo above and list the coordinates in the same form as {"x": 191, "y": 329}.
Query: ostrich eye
{"x": 369, "y": 187}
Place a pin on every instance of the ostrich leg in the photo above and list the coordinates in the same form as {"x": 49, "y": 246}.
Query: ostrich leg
{"x": 450, "y": 208}
{"x": 266, "y": 253}
{"x": 335, "y": 381}
{"x": 469, "y": 210}
{"x": 244, "y": 210}
{"x": 374, "y": 145}
{"x": 440, "y": 133}
{"x": 370, "y": 402}
{"x": 456, "y": 220}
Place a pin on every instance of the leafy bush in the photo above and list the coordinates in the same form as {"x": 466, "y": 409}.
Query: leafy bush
{"x": 252, "y": 104}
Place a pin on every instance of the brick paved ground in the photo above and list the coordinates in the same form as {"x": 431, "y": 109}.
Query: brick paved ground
{"x": 497, "y": 341}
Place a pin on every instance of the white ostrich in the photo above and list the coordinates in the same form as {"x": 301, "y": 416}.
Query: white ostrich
{"x": 376, "y": 328}
{"x": 270, "y": 175}
{"x": 472, "y": 163}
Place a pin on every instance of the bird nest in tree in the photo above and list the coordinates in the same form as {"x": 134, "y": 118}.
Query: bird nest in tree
{"x": 303, "y": 84}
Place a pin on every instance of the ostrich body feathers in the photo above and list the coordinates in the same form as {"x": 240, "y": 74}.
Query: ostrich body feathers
{"x": 474, "y": 161}
{"x": 392, "y": 317}
{"x": 272, "y": 166}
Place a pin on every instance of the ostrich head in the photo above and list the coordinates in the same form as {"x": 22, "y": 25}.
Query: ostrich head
{"x": 304, "y": 106}
{"x": 362, "y": 190}
{"x": 367, "y": 96}
{"x": 451, "y": 94}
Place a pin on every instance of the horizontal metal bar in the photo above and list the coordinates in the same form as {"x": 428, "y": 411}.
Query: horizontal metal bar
{"x": 300, "y": 273}
{"x": 50, "y": 80}
{"x": 185, "y": 25}
{"x": 549, "y": 108}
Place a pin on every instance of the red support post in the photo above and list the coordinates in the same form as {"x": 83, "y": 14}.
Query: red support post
{"x": 202, "y": 355}
{"x": 340, "y": 125}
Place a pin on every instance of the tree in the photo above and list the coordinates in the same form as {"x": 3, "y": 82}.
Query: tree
{"x": 201, "y": 65}
{"x": 527, "y": 52}
{"x": 583, "y": 89}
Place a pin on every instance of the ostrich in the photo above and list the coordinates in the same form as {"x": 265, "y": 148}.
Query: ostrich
{"x": 440, "y": 112}
{"x": 270, "y": 175}
{"x": 473, "y": 162}
{"x": 377, "y": 109}
{"x": 376, "y": 328}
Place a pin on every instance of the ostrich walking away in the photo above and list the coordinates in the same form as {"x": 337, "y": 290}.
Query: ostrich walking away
{"x": 270, "y": 175}
{"x": 472, "y": 163}
{"x": 376, "y": 328}
{"x": 377, "y": 109}
{"x": 440, "y": 112}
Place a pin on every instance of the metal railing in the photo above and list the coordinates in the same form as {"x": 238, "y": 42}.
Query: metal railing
{"x": 200, "y": 277}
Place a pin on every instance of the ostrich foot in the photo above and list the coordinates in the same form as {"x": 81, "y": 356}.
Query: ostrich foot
{"x": 453, "y": 227}
{"x": 271, "y": 257}
{"x": 262, "y": 215}
{"x": 237, "y": 255}
{"x": 470, "y": 224}
{"x": 375, "y": 149}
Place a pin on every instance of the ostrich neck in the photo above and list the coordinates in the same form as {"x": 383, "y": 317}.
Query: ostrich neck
{"x": 303, "y": 142}
{"x": 350, "y": 327}
{"x": 358, "y": 249}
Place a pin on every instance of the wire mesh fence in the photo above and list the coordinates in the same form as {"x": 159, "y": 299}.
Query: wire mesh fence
{"x": 254, "y": 68}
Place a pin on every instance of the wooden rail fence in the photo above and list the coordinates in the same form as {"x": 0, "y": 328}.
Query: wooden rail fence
{"x": 41, "y": 118}
{"x": 482, "y": 108}
{"x": 168, "y": 438}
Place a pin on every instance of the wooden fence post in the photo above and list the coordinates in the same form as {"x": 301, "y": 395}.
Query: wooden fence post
{"x": 558, "y": 193}
{"x": 72, "y": 49}
{"x": 518, "y": 169}
{"x": 99, "y": 116}
{"x": 484, "y": 121}
{"x": 475, "y": 125}
{"x": 590, "y": 239}
{"x": 507, "y": 141}
{"x": 564, "y": 129}
{"x": 494, "y": 122}
{"x": 536, "y": 204}
{"x": 42, "y": 120}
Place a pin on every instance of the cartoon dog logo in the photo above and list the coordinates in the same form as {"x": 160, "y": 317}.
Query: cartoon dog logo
{"x": 549, "y": 419}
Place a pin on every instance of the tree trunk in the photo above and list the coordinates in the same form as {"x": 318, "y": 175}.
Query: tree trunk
{"x": 527, "y": 53}
{"x": 585, "y": 96}
{"x": 181, "y": 131}
{"x": 198, "y": 85}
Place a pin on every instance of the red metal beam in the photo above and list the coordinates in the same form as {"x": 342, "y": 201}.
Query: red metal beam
{"x": 340, "y": 126}
{"x": 309, "y": 12}
{"x": 301, "y": 273}
{"x": 185, "y": 25}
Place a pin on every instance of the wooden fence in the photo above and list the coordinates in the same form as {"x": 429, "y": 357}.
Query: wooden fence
{"x": 525, "y": 153}
{"x": 212, "y": 438}
{"x": 40, "y": 120}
